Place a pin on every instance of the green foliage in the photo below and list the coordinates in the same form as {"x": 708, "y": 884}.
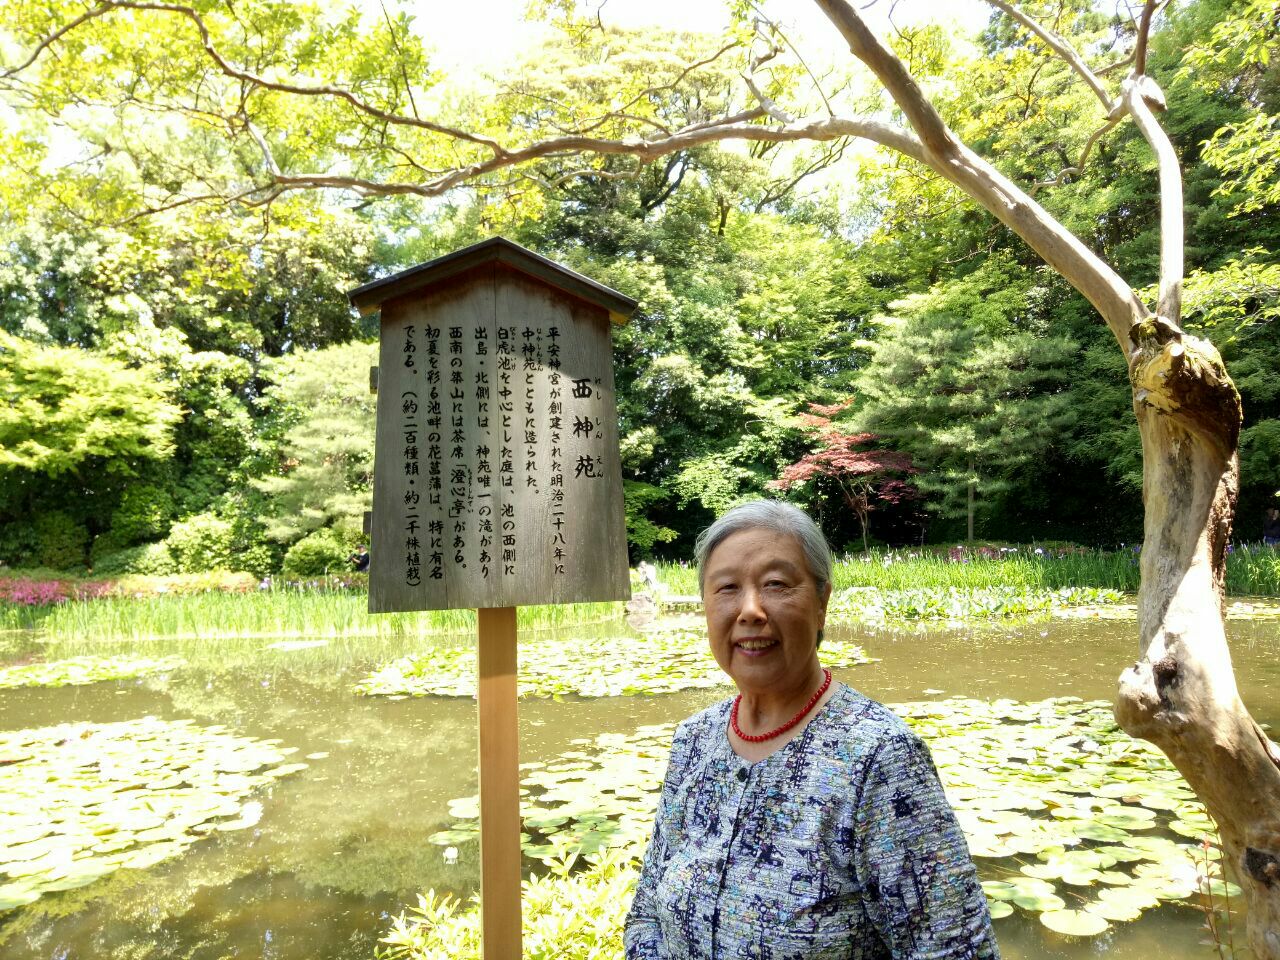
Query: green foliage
{"x": 145, "y": 513}
{"x": 320, "y": 406}
{"x": 1248, "y": 154}
{"x": 60, "y": 541}
{"x": 992, "y": 603}
{"x": 568, "y": 914}
{"x": 201, "y": 543}
{"x": 148, "y": 559}
{"x": 318, "y": 554}
{"x": 18, "y": 543}
{"x": 642, "y": 533}
{"x": 62, "y": 408}
{"x": 972, "y": 405}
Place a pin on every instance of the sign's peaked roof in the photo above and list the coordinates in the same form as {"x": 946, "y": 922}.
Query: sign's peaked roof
{"x": 372, "y": 296}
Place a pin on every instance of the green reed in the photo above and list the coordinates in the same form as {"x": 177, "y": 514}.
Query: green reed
{"x": 279, "y": 613}
{"x": 1251, "y": 570}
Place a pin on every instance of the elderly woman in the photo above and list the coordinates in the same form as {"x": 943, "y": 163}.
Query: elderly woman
{"x": 799, "y": 820}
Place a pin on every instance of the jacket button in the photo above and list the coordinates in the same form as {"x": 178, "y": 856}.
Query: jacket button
{"x": 742, "y": 774}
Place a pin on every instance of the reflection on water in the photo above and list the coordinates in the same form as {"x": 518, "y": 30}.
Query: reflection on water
{"x": 342, "y": 846}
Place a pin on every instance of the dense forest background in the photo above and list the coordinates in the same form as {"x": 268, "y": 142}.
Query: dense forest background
{"x": 186, "y": 388}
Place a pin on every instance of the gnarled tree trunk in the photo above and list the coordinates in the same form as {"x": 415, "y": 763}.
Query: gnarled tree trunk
{"x": 1181, "y": 693}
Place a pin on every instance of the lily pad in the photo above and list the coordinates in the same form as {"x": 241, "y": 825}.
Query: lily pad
{"x": 1075, "y": 923}
{"x": 76, "y": 671}
{"x": 128, "y": 794}
{"x": 660, "y": 661}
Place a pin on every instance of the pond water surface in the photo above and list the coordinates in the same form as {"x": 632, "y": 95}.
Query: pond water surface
{"x": 342, "y": 846}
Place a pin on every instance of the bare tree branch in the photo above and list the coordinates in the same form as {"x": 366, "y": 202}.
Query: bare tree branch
{"x": 891, "y": 72}
{"x": 1144, "y": 33}
{"x": 1172, "y": 228}
{"x": 1113, "y": 298}
{"x": 693, "y": 136}
{"x": 1078, "y": 167}
{"x": 1061, "y": 48}
{"x": 53, "y": 38}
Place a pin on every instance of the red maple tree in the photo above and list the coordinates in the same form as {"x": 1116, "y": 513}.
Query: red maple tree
{"x": 863, "y": 475}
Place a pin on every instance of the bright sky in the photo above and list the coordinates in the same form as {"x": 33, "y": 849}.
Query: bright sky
{"x": 485, "y": 32}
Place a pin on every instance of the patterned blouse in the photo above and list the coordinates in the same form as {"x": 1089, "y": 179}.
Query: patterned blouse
{"x": 840, "y": 844}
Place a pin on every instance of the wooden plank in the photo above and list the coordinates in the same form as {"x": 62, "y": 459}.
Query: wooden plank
{"x": 499, "y": 786}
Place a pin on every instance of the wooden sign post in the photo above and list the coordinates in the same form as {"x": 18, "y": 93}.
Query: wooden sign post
{"x": 497, "y": 483}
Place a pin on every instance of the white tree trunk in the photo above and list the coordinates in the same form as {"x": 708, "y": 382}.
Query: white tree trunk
{"x": 1181, "y": 693}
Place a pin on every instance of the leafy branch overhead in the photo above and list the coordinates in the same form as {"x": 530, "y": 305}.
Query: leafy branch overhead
{"x": 287, "y": 97}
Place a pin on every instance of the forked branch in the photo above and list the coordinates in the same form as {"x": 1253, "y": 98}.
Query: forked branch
{"x": 1063, "y": 49}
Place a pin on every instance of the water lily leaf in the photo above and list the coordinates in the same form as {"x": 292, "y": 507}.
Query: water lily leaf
{"x": 119, "y": 794}
{"x": 451, "y": 838}
{"x": 1100, "y": 831}
{"x": 1220, "y": 888}
{"x": 1074, "y": 923}
{"x": 662, "y": 660}
{"x": 76, "y": 671}
{"x": 999, "y": 909}
{"x": 1038, "y": 902}
{"x": 17, "y": 895}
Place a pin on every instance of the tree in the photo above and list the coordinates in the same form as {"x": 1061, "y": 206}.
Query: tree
{"x": 324, "y": 417}
{"x": 1181, "y": 693}
{"x": 72, "y": 422}
{"x": 862, "y": 475}
{"x": 62, "y": 408}
{"x": 972, "y": 408}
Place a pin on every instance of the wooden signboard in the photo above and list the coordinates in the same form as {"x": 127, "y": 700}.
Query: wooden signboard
{"x": 497, "y": 482}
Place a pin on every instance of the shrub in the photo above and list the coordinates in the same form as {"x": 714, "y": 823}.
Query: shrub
{"x": 316, "y": 554}
{"x": 60, "y": 541}
{"x": 17, "y": 543}
{"x": 145, "y": 513}
{"x": 201, "y": 543}
{"x": 150, "y": 559}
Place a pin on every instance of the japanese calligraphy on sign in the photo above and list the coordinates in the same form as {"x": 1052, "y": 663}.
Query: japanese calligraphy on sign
{"x": 496, "y": 477}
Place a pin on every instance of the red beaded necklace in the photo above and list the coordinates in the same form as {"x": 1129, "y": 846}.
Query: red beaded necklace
{"x": 804, "y": 712}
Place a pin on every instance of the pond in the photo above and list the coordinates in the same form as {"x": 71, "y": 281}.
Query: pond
{"x": 335, "y": 849}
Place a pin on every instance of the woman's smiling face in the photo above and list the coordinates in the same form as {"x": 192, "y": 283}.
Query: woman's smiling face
{"x": 764, "y": 610}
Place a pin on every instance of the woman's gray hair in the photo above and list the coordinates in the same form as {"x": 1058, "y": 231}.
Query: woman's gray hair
{"x": 770, "y": 515}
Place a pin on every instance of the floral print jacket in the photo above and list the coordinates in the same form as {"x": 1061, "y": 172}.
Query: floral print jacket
{"x": 841, "y": 844}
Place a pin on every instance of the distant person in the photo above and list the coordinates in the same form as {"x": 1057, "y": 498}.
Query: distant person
{"x": 1271, "y": 527}
{"x": 799, "y": 820}
{"x": 649, "y": 576}
{"x": 360, "y": 559}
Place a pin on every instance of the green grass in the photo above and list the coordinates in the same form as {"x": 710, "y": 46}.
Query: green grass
{"x": 275, "y": 613}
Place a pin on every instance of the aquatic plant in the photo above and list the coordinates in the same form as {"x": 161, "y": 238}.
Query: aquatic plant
{"x": 75, "y": 671}
{"x": 658, "y": 661}
{"x": 318, "y": 613}
{"x": 1069, "y": 819}
{"x": 880, "y": 606}
{"x": 84, "y": 799}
